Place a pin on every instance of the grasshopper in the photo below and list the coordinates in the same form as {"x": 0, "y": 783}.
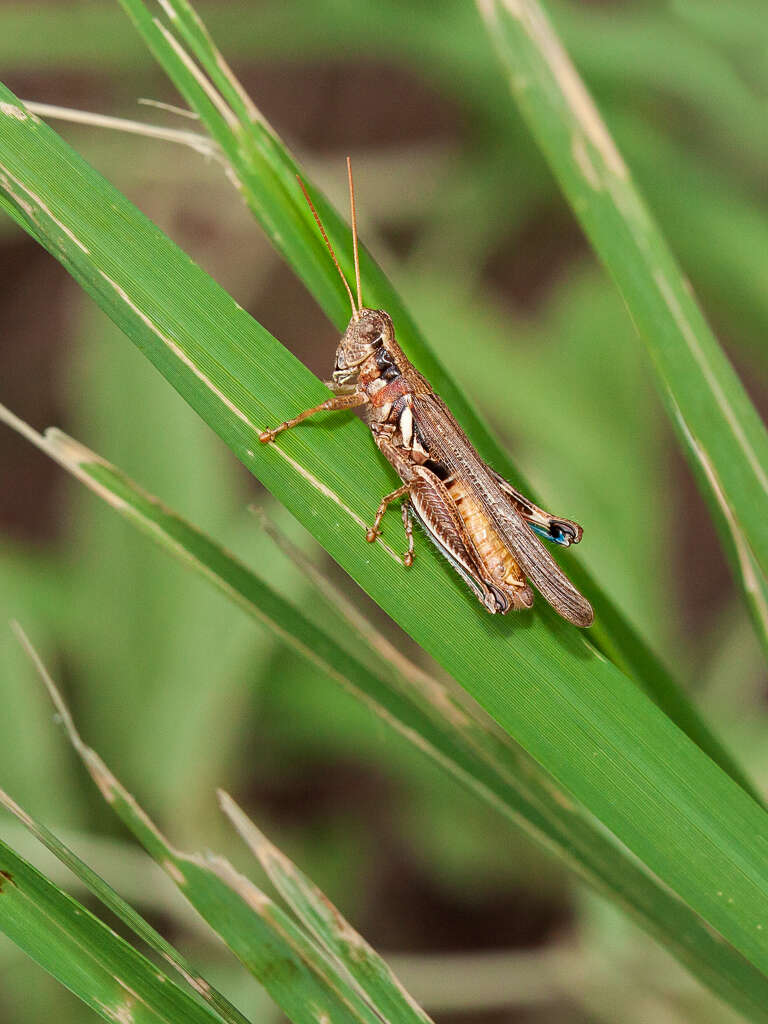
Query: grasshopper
{"x": 484, "y": 527}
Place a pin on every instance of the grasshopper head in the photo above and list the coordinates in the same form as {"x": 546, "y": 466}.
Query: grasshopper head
{"x": 366, "y": 332}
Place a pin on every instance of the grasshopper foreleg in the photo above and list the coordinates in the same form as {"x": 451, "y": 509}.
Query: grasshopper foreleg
{"x": 335, "y": 404}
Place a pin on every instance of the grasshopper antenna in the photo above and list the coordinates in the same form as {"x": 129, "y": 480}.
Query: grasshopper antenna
{"x": 354, "y": 234}
{"x": 311, "y": 205}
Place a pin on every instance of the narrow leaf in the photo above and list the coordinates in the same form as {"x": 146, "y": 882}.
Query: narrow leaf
{"x": 107, "y": 895}
{"x": 265, "y": 171}
{"x": 327, "y": 925}
{"x": 426, "y": 714}
{"x": 303, "y": 982}
{"x": 84, "y": 954}
{"x": 573, "y": 711}
{"x": 719, "y": 428}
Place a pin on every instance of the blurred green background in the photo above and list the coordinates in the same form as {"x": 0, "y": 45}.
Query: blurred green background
{"x": 178, "y": 690}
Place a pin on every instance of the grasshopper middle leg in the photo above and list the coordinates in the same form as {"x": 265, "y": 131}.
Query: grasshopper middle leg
{"x": 408, "y": 525}
{"x": 373, "y": 532}
{"x": 386, "y": 501}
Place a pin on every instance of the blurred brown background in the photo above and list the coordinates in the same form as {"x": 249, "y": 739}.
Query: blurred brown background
{"x": 180, "y": 693}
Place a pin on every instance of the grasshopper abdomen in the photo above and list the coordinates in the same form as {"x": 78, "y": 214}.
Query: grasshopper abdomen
{"x": 495, "y": 557}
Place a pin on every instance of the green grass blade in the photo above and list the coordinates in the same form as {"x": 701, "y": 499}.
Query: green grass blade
{"x": 84, "y": 954}
{"x": 719, "y": 428}
{"x": 124, "y": 911}
{"x": 584, "y": 721}
{"x": 304, "y": 982}
{"x": 321, "y": 918}
{"x": 426, "y": 714}
{"x": 265, "y": 172}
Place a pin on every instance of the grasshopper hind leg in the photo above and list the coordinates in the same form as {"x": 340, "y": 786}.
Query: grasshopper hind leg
{"x": 552, "y": 528}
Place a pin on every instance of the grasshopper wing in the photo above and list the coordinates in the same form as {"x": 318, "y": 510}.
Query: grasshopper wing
{"x": 448, "y": 445}
{"x": 540, "y": 567}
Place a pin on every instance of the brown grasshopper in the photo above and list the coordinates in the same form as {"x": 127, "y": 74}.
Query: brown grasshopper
{"x": 485, "y": 528}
